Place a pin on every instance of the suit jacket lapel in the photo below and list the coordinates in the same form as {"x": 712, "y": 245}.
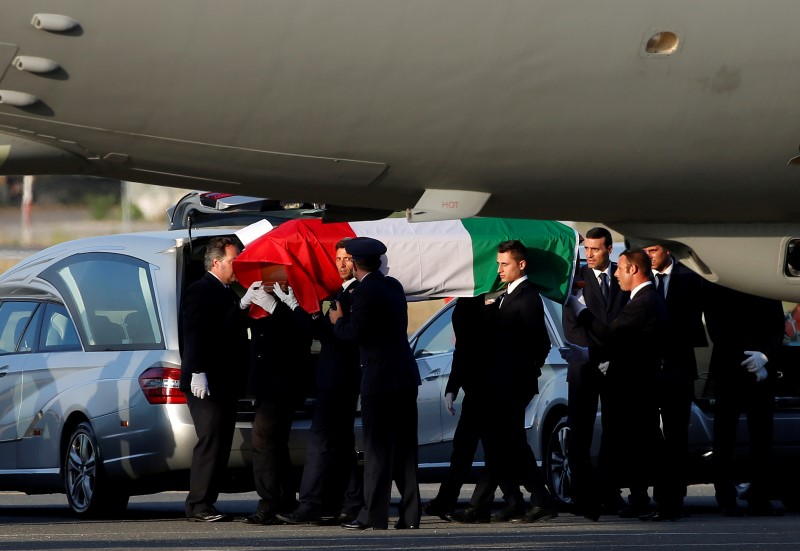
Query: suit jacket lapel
{"x": 675, "y": 282}
{"x": 514, "y": 293}
{"x": 613, "y": 286}
{"x": 590, "y": 280}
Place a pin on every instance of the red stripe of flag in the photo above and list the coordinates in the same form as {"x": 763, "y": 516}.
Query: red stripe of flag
{"x": 306, "y": 250}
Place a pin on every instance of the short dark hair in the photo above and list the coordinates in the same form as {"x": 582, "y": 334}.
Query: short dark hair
{"x": 216, "y": 250}
{"x": 638, "y": 258}
{"x": 341, "y": 243}
{"x": 515, "y": 248}
{"x": 599, "y": 232}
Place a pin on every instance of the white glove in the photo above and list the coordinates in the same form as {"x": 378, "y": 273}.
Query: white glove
{"x": 287, "y": 298}
{"x": 449, "y": 400}
{"x": 247, "y": 299}
{"x": 575, "y": 305}
{"x": 575, "y": 354}
{"x": 199, "y": 385}
{"x": 603, "y": 367}
{"x": 265, "y": 300}
{"x": 755, "y": 363}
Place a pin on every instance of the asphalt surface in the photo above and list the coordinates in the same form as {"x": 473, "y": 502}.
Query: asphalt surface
{"x": 156, "y": 522}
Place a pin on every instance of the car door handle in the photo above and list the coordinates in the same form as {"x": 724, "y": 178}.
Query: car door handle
{"x": 3, "y": 371}
{"x": 433, "y": 375}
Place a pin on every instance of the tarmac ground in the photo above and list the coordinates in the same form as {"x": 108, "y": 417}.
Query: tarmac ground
{"x": 157, "y": 522}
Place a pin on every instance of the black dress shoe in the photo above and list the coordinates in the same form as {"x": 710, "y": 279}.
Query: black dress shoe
{"x": 401, "y": 525}
{"x": 211, "y": 515}
{"x": 263, "y": 517}
{"x": 537, "y": 514}
{"x": 345, "y": 518}
{"x": 299, "y": 517}
{"x": 355, "y": 525}
{"x": 509, "y": 513}
{"x": 435, "y": 510}
{"x": 660, "y": 516}
{"x": 470, "y": 515}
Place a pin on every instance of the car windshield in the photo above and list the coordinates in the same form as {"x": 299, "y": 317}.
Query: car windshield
{"x": 111, "y": 299}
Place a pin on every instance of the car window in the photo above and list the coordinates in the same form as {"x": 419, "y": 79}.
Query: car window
{"x": 437, "y": 337}
{"x": 28, "y": 342}
{"x": 57, "y": 331}
{"x": 111, "y": 299}
{"x": 14, "y": 318}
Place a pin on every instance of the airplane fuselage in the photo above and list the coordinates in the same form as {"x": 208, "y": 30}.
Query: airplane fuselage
{"x": 550, "y": 109}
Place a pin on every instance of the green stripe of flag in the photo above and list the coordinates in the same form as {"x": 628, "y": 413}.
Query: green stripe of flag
{"x": 551, "y": 253}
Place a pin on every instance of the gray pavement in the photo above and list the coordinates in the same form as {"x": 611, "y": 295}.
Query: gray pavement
{"x": 45, "y": 522}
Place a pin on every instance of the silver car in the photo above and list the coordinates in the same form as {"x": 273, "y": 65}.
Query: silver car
{"x": 89, "y": 370}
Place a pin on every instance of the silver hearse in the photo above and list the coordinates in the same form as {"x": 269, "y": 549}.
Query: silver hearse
{"x": 89, "y": 370}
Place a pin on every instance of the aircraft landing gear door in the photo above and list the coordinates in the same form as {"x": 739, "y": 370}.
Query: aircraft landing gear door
{"x": 14, "y": 319}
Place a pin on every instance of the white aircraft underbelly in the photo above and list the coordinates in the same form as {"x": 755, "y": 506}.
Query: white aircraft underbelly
{"x": 540, "y": 109}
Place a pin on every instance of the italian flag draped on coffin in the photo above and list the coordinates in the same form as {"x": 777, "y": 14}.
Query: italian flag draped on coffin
{"x": 431, "y": 259}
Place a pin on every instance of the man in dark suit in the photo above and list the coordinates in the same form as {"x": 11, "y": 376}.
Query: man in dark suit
{"x": 378, "y": 322}
{"x": 681, "y": 289}
{"x": 213, "y": 376}
{"x": 746, "y": 332}
{"x": 470, "y": 372}
{"x": 628, "y": 351}
{"x": 605, "y": 300}
{"x": 520, "y": 344}
{"x": 330, "y": 457}
{"x": 280, "y": 363}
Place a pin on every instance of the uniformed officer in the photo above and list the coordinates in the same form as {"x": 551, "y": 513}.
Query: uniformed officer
{"x": 378, "y": 322}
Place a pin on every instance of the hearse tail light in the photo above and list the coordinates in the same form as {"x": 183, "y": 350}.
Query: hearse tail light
{"x": 161, "y": 385}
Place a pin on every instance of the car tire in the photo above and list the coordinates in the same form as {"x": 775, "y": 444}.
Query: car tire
{"x": 556, "y": 463}
{"x": 88, "y": 490}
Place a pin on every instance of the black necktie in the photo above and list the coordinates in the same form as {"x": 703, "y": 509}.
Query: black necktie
{"x": 660, "y": 285}
{"x": 500, "y": 299}
{"x": 604, "y": 285}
